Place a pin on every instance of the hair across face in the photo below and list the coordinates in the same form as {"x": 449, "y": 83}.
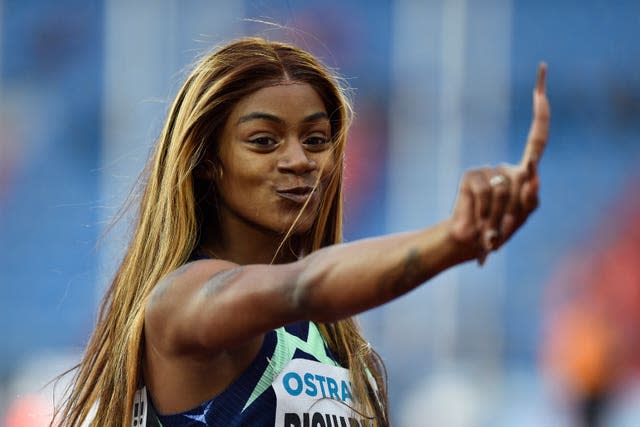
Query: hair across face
{"x": 227, "y": 79}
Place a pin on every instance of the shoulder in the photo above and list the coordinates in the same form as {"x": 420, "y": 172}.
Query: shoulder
{"x": 172, "y": 298}
{"x": 174, "y": 291}
{"x": 188, "y": 276}
{"x": 200, "y": 269}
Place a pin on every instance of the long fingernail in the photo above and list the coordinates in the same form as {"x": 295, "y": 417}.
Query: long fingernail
{"x": 491, "y": 239}
{"x": 482, "y": 257}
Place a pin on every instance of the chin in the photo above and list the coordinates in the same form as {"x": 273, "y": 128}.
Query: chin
{"x": 302, "y": 226}
{"x": 298, "y": 229}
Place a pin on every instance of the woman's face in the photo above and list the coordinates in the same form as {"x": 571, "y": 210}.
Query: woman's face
{"x": 275, "y": 147}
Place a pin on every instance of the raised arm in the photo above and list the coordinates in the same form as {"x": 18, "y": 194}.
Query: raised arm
{"x": 210, "y": 305}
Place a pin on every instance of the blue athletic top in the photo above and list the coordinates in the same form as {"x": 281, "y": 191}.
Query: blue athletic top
{"x": 294, "y": 381}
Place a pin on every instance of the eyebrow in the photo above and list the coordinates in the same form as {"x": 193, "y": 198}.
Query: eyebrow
{"x": 272, "y": 118}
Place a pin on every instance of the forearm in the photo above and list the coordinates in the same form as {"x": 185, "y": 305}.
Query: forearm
{"x": 346, "y": 279}
{"x": 328, "y": 285}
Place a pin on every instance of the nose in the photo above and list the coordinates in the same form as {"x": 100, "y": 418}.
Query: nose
{"x": 295, "y": 159}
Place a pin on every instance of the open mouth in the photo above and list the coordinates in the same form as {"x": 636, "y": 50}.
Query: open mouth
{"x": 296, "y": 194}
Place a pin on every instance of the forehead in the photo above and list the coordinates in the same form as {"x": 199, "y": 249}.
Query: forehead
{"x": 290, "y": 101}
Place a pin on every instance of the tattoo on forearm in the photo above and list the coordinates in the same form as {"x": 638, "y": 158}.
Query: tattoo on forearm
{"x": 405, "y": 277}
{"x": 219, "y": 280}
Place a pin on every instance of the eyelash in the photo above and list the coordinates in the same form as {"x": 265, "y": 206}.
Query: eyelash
{"x": 312, "y": 141}
{"x": 318, "y": 140}
{"x": 260, "y": 141}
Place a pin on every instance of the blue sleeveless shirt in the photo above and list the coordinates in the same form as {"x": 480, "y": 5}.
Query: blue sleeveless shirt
{"x": 294, "y": 381}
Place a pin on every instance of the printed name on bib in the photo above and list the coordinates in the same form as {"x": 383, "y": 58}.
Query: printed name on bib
{"x": 317, "y": 419}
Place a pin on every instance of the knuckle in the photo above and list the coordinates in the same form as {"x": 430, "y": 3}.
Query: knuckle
{"x": 471, "y": 174}
{"x": 483, "y": 188}
{"x": 539, "y": 140}
{"x": 468, "y": 178}
{"x": 521, "y": 175}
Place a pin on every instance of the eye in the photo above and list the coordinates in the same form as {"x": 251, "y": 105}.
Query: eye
{"x": 263, "y": 141}
{"x": 317, "y": 141}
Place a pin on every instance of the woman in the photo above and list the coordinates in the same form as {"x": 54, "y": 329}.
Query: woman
{"x": 232, "y": 304}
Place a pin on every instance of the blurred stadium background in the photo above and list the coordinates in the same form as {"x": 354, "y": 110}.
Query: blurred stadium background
{"x": 546, "y": 334}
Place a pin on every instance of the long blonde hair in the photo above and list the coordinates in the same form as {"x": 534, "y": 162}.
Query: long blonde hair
{"x": 171, "y": 221}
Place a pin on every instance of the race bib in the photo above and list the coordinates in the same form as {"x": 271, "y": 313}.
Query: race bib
{"x": 313, "y": 394}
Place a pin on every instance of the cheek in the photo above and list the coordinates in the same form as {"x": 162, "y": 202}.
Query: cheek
{"x": 243, "y": 173}
{"x": 241, "y": 186}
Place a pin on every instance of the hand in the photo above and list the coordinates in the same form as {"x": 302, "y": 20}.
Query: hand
{"x": 493, "y": 203}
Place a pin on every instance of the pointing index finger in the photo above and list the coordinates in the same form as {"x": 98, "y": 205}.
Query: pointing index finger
{"x": 539, "y": 131}
{"x": 542, "y": 76}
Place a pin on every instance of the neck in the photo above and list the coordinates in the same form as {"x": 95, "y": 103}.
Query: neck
{"x": 245, "y": 243}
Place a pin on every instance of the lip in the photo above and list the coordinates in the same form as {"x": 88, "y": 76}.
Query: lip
{"x": 296, "y": 194}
